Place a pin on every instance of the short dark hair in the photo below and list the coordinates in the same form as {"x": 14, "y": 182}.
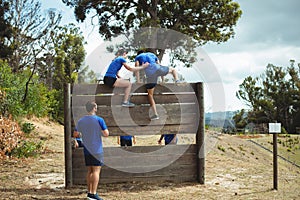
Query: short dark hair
{"x": 121, "y": 52}
{"x": 140, "y": 51}
{"x": 90, "y": 105}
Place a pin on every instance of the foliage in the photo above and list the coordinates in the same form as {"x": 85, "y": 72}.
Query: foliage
{"x": 86, "y": 76}
{"x": 27, "y": 127}
{"x": 203, "y": 21}
{"x": 5, "y": 31}
{"x": 13, "y": 86}
{"x": 69, "y": 54}
{"x": 31, "y": 33}
{"x": 27, "y": 149}
{"x": 10, "y": 135}
{"x": 273, "y": 97}
{"x": 240, "y": 119}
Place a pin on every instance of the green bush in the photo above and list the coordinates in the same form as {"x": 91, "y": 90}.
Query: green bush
{"x": 18, "y": 101}
{"x": 28, "y": 149}
{"x": 27, "y": 127}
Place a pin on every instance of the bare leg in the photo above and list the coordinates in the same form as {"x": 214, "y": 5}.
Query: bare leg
{"x": 151, "y": 100}
{"x": 92, "y": 178}
{"x": 127, "y": 85}
{"x": 173, "y": 72}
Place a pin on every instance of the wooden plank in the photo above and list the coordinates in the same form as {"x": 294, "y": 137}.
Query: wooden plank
{"x": 169, "y": 114}
{"x": 151, "y": 179}
{"x": 139, "y": 99}
{"x": 182, "y": 169}
{"x": 92, "y": 89}
{"x": 141, "y": 117}
{"x": 152, "y": 130}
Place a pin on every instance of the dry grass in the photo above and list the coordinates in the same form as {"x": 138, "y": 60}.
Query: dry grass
{"x": 235, "y": 169}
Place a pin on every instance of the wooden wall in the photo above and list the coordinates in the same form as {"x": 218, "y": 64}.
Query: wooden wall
{"x": 180, "y": 108}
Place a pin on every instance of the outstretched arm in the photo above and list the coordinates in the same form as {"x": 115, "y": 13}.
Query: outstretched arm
{"x": 134, "y": 69}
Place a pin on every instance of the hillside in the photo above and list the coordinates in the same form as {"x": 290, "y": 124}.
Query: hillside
{"x": 235, "y": 169}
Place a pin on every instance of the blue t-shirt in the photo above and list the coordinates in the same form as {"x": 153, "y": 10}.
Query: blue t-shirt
{"x": 90, "y": 126}
{"x": 115, "y": 66}
{"x": 151, "y": 58}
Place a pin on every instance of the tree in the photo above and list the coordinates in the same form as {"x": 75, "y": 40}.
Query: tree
{"x": 69, "y": 54}
{"x": 240, "y": 119}
{"x": 30, "y": 32}
{"x": 204, "y": 21}
{"x": 5, "y": 31}
{"x": 273, "y": 97}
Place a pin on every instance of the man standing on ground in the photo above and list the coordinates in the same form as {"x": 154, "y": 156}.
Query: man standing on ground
{"x": 92, "y": 128}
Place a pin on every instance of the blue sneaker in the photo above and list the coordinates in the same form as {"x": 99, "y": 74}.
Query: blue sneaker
{"x": 93, "y": 197}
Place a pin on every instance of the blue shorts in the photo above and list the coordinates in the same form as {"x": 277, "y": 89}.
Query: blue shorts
{"x": 152, "y": 79}
{"x": 94, "y": 160}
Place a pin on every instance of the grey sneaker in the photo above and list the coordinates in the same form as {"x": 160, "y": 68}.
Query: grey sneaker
{"x": 179, "y": 82}
{"x": 128, "y": 104}
{"x": 154, "y": 117}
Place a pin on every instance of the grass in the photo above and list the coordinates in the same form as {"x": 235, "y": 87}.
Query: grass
{"x": 288, "y": 146}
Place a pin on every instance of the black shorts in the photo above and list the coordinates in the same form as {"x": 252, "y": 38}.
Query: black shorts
{"x": 126, "y": 142}
{"x": 93, "y": 159}
{"x": 110, "y": 81}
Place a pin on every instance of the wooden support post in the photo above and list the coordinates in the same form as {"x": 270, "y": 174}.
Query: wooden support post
{"x": 200, "y": 134}
{"x": 67, "y": 134}
{"x": 275, "y": 163}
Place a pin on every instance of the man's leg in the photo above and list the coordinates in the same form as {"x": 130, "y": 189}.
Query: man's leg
{"x": 173, "y": 72}
{"x": 93, "y": 178}
{"x": 151, "y": 100}
{"x": 127, "y": 85}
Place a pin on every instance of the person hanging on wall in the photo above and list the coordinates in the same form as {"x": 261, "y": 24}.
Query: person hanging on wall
{"x": 113, "y": 79}
{"x": 153, "y": 71}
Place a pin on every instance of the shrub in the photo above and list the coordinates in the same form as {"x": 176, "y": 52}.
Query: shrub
{"x": 10, "y": 135}
{"x": 13, "y": 90}
{"x": 27, "y": 149}
{"x": 27, "y": 127}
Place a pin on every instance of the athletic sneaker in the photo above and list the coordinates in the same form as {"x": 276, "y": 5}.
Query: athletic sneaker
{"x": 93, "y": 197}
{"x": 154, "y": 117}
{"x": 128, "y": 104}
{"x": 178, "y": 82}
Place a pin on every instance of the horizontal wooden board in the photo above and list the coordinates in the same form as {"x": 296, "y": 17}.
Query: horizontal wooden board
{"x": 138, "y": 163}
{"x": 152, "y": 130}
{"x": 92, "y": 89}
{"x": 152, "y": 179}
{"x": 138, "y": 99}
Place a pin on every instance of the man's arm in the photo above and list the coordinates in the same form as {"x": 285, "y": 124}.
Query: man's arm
{"x": 105, "y": 133}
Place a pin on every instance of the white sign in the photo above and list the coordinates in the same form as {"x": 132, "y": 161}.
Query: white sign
{"x": 274, "y": 127}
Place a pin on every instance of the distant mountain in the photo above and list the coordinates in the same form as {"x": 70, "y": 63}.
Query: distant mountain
{"x": 220, "y": 119}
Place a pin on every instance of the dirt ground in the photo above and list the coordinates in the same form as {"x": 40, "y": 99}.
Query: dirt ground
{"x": 235, "y": 169}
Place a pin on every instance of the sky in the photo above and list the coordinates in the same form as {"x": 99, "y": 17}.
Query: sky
{"x": 268, "y": 32}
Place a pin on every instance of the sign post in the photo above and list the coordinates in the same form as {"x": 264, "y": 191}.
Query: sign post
{"x": 275, "y": 128}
